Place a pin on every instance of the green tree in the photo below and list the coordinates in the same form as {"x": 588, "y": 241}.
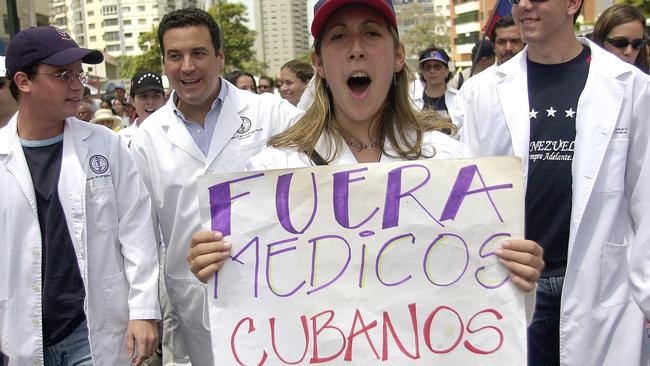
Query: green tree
{"x": 237, "y": 38}
{"x": 148, "y": 60}
{"x": 424, "y": 30}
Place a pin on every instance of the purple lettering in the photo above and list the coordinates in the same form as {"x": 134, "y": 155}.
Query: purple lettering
{"x": 461, "y": 190}
{"x": 341, "y": 187}
{"x": 221, "y": 202}
{"x": 282, "y": 203}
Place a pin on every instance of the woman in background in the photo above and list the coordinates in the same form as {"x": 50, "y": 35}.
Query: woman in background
{"x": 620, "y": 29}
{"x": 294, "y": 77}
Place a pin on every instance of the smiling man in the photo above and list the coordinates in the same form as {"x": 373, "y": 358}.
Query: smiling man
{"x": 208, "y": 125}
{"x": 78, "y": 278}
{"x": 579, "y": 119}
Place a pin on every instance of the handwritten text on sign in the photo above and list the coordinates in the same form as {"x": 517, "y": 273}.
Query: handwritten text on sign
{"x": 364, "y": 264}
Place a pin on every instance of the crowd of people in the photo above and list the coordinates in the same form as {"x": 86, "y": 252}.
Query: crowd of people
{"x": 106, "y": 258}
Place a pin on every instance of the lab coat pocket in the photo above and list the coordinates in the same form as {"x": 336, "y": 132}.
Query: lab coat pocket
{"x": 189, "y": 298}
{"x": 614, "y": 289}
{"x": 102, "y": 209}
{"x": 116, "y": 296}
{"x": 612, "y": 171}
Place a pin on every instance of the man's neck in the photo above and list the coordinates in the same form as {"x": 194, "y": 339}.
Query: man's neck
{"x": 34, "y": 127}
{"x": 552, "y": 53}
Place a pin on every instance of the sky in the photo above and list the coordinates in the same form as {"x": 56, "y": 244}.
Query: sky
{"x": 251, "y": 11}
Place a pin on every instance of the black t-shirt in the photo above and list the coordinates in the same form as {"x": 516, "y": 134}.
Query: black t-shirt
{"x": 437, "y": 104}
{"x": 63, "y": 289}
{"x": 553, "y": 92}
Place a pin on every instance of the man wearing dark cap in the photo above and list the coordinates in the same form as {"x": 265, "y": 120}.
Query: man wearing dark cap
{"x": 78, "y": 278}
{"x": 482, "y": 56}
{"x": 147, "y": 95}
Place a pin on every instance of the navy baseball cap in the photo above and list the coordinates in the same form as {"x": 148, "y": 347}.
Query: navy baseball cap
{"x": 434, "y": 55}
{"x": 324, "y": 8}
{"x": 48, "y": 45}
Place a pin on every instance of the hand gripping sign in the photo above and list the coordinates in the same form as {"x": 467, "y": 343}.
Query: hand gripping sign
{"x": 364, "y": 264}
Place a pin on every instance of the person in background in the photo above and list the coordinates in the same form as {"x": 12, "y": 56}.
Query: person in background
{"x": 147, "y": 95}
{"x": 120, "y": 94}
{"x": 579, "y": 119}
{"x": 88, "y": 98}
{"x": 265, "y": 85}
{"x": 8, "y": 106}
{"x": 106, "y": 105}
{"x": 105, "y": 117}
{"x": 117, "y": 106}
{"x": 294, "y": 77}
{"x": 506, "y": 39}
{"x": 482, "y": 56}
{"x": 85, "y": 112}
{"x": 620, "y": 30}
{"x": 242, "y": 80}
{"x": 79, "y": 274}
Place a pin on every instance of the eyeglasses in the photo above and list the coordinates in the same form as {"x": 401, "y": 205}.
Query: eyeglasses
{"x": 622, "y": 42}
{"x": 516, "y": 2}
{"x": 67, "y": 76}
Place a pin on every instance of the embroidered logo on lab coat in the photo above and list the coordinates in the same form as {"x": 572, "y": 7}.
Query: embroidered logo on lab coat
{"x": 245, "y": 130}
{"x": 98, "y": 164}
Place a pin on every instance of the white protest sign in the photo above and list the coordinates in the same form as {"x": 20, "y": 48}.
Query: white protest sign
{"x": 365, "y": 264}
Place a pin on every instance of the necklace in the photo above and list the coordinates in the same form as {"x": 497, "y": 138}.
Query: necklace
{"x": 361, "y": 146}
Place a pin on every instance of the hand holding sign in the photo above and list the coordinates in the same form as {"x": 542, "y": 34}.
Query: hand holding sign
{"x": 207, "y": 253}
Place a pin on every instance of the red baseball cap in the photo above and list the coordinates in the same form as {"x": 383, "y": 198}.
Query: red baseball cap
{"x": 324, "y": 8}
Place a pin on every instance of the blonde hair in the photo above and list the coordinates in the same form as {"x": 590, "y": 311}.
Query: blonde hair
{"x": 396, "y": 118}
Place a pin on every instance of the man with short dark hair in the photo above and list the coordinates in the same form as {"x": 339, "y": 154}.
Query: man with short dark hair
{"x": 78, "y": 274}
{"x": 506, "y": 39}
{"x": 208, "y": 125}
{"x": 579, "y": 119}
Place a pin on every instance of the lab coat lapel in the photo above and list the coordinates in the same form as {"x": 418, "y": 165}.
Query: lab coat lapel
{"x": 179, "y": 135}
{"x": 11, "y": 154}
{"x": 229, "y": 122}
{"x": 598, "y": 109}
{"x": 514, "y": 103}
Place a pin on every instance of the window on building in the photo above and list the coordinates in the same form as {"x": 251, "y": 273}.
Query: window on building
{"x": 155, "y": 6}
{"x": 93, "y": 38}
{"x": 113, "y": 48}
{"x": 91, "y": 25}
{"x": 111, "y": 36}
{"x": 467, "y": 38}
{"x": 90, "y": 13}
{"x": 142, "y": 8}
{"x": 468, "y": 17}
{"x": 109, "y": 22}
{"x": 126, "y": 9}
{"x": 142, "y": 21}
{"x": 128, "y": 48}
{"x": 128, "y": 35}
{"x": 126, "y": 22}
{"x": 62, "y": 22}
{"x": 109, "y": 9}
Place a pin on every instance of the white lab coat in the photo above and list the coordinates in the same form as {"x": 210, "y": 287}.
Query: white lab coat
{"x": 600, "y": 324}
{"x": 107, "y": 213}
{"x": 453, "y": 108}
{"x": 170, "y": 163}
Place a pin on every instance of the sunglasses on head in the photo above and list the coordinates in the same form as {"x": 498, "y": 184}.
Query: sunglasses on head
{"x": 516, "y": 2}
{"x": 622, "y": 42}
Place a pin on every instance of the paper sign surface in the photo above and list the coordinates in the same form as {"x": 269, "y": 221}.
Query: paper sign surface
{"x": 367, "y": 264}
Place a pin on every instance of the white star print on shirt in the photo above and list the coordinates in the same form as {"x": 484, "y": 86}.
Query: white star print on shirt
{"x": 533, "y": 113}
{"x": 550, "y": 112}
{"x": 569, "y": 113}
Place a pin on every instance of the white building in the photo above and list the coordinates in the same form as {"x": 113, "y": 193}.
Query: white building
{"x": 112, "y": 25}
{"x": 282, "y": 33}
{"x": 31, "y": 13}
